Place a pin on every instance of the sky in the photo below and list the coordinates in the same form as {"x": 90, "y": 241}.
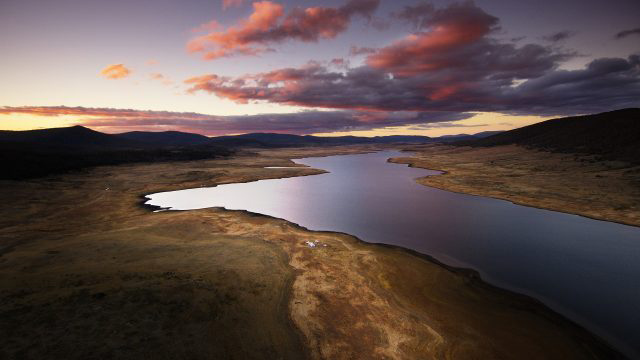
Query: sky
{"x": 327, "y": 67}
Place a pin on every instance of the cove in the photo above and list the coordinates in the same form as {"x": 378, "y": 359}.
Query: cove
{"x": 585, "y": 269}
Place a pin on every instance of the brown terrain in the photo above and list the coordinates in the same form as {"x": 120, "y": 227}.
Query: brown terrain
{"x": 577, "y": 184}
{"x": 86, "y": 272}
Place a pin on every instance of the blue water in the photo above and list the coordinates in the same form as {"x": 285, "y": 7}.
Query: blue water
{"x": 586, "y": 269}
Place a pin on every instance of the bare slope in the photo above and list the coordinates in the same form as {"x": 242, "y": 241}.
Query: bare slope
{"x": 613, "y": 135}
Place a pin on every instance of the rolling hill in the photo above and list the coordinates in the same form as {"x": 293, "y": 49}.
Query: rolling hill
{"x": 165, "y": 138}
{"x": 81, "y": 137}
{"x": 35, "y": 153}
{"x": 613, "y": 135}
{"x": 67, "y": 137}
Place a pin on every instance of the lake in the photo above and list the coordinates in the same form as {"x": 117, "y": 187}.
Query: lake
{"x": 586, "y": 269}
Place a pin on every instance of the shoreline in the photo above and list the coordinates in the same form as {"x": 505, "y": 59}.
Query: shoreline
{"x": 514, "y": 202}
{"x": 476, "y": 172}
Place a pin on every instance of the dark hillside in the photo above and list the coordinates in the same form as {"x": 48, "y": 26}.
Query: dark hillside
{"x": 165, "y": 138}
{"x": 613, "y": 135}
{"x": 75, "y": 136}
{"x": 35, "y": 153}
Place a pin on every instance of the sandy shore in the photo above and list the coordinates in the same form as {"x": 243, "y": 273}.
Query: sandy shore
{"x": 88, "y": 273}
{"x": 563, "y": 182}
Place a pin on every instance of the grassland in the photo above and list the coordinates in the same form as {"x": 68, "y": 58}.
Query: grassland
{"x": 86, "y": 272}
{"x": 577, "y": 184}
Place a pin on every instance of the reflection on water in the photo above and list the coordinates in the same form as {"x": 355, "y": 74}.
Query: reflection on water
{"x": 588, "y": 270}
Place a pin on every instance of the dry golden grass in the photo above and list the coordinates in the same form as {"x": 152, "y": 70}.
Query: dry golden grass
{"x": 562, "y": 182}
{"x": 87, "y": 273}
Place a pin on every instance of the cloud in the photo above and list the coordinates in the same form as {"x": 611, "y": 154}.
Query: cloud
{"x": 231, "y": 3}
{"x": 416, "y": 14}
{"x": 314, "y": 85}
{"x": 306, "y": 122}
{"x": 356, "y": 50}
{"x": 446, "y": 124}
{"x": 67, "y": 110}
{"x": 604, "y": 84}
{"x": 164, "y": 80}
{"x": 446, "y": 38}
{"x": 268, "y": 25}
{"x": 558, "y": 36}
{"x": 451, "y": 64}
{"x": 379, "y": 23}
{"x": 340, "y": 63}
{"x": 625, "y": 33}
{"x": 115, "y": 71}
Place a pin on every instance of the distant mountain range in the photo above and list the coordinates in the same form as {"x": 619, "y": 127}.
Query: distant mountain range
{"x": 613, "y": 135}
{"x": 68, "y": 137}
{"x": 172, "y": 138}
{"x": 81, "y": 137}
{"x": 175, "y": 138}
{"x": 287, "y": 140}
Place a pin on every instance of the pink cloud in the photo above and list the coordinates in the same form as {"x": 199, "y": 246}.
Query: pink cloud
{"x": 268, "y": 24}
{"x": 164, "y": 80}
{"x": 443, "y": 33}
{"x": 115, "y": 71}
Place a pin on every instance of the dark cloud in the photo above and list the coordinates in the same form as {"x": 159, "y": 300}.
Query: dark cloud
{"x": 625, "y": 33}
{"x": 340, "y": 63}
{"x": 357, "y": 50}
{"x": 306, "y": 122}
{"x": 440, "y": 125}
{"x": 459, "y": 17}
{"x": 454, "y": 38}
{"x": 416, "y": 14}
{"x": 558, "y": 36}
{"x": 452, "y": 64}
{"x": 315, "y": 85}
{"x": 603, "y": 85}
{"x": 379, "y": 23}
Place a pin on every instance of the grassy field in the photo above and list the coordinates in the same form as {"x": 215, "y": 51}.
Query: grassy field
{"x": 577, "y": 184}
{"x": 86, "y": 272}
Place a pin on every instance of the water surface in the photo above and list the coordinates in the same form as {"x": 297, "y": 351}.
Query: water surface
{"x": 586, "y": 269}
